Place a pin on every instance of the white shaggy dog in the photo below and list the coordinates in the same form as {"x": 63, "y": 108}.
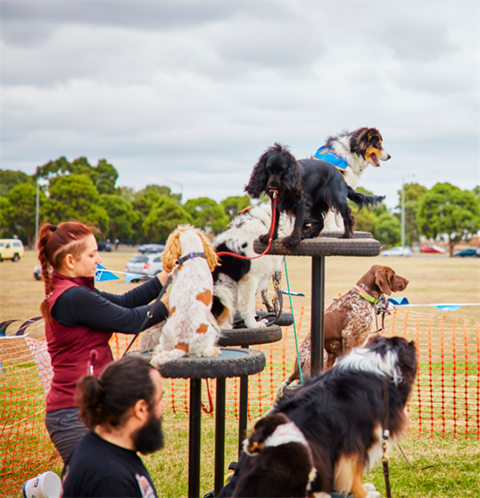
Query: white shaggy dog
{"x": 190, "y": 327}
{"x": 237, "y": 281}
{"x": 359, "y": 149}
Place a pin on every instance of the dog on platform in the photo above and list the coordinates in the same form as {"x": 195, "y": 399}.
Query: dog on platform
{"x": 344, "y": 414}
{"x": 352, "y": 153}
{"x": 237, "y": 280}
{"x": 306, "y": 189}
{"x": 190, "y": 327}
{"x": 349, "y": 319}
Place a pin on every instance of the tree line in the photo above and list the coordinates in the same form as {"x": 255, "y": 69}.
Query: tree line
{"x": 78, "y": 190}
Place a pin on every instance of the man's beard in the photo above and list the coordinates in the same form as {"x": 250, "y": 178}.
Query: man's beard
{"x": 149, "y": 438}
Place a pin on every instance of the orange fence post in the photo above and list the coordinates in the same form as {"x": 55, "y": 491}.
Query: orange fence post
{"x": 454, "y": 380}
{"x": 442, "y": 366}
{"x": 417, "y": 338}
{"x": 430, "y": 372}
{"x": 466, "y": 379}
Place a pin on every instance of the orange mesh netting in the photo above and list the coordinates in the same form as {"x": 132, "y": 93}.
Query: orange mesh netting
{"x": 445, "y": 401}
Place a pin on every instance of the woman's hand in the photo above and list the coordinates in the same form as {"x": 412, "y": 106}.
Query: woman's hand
{"x": 163, "y": 277}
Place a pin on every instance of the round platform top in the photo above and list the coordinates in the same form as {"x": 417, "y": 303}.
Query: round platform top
{"x": 230, "y": 363}
{"x": 360, "y": 245}
{"x": 250, "y": 337}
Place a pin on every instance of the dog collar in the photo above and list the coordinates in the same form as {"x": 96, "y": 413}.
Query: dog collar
{"x": 330, "y": 156}
{"x": 365, "y": 295}
{"x": 190, "y": 255}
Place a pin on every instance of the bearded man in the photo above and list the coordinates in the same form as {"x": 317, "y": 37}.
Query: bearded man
{"x": 123, "y": 410}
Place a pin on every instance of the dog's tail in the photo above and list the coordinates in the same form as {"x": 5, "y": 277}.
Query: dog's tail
{"x": 363, "y": 200}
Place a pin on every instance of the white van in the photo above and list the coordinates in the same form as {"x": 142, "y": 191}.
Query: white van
{"x": 11, "y": 249}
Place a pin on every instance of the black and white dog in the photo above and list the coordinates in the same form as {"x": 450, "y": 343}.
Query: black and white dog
{"x": 352, "y": 153}
{"x": 237, "y": 281}
{"x": 344, "y": 412}
{"x": 305, "y": 189}
{"x": 280, "y": 463}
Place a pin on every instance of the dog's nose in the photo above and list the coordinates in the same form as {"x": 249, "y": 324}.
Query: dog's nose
{"x": 388, "y": 157}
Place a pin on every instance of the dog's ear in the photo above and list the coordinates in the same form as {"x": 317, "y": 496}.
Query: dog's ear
{"x": 292, "y": 178}
{"x": 383, "y": 281}
{"x": 263, "y": 429}
{"x": 211, "y": 255}
{"x": 172, "y": 251}
{"x": 257, "y": 184}
{"x": 407, "y": 359}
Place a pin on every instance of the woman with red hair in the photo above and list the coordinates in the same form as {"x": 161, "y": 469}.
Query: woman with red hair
{"x": 80, "y": 320}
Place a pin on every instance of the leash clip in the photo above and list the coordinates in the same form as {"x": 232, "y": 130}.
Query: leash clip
{"x": 91, "y": 361}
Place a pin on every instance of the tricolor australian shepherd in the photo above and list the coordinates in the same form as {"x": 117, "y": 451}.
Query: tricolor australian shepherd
{"x": 355, "y": 152}
{"x": 342, "y": 414}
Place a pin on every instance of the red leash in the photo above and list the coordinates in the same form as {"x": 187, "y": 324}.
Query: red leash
{"x": 274, "y": 211}
{"x": 210, "y": 410}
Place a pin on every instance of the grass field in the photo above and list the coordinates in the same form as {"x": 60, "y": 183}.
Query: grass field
{"x": 433, "y": 279}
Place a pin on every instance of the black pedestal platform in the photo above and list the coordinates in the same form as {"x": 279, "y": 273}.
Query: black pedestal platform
{"x": 246, "y": 338}
{"x": 328, "y": 244}
{"x": 231, "y": 363}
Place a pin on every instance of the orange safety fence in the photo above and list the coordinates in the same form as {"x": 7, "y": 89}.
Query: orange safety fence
{"x": 445, "y": 401}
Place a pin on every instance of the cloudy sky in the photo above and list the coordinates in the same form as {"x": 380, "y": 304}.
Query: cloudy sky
{"x": 190, "y": 93}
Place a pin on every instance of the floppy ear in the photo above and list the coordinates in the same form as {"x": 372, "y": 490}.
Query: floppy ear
{"x": 172, "y": 251}
{"x": 257, "y": 184}
{"x": 292, "y": 180}
{"x": 211, "y": 255}
{"x": 383, "y": 282}
{"x": 407, "y": 358}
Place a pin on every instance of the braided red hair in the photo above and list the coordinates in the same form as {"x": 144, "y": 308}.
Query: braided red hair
{"x": 54, "y": 244}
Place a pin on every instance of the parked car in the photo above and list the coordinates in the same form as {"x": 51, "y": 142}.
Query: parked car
{"x": 430, "y": 249}
{"x": 151, "y": 248}
{"x": 146, "y": 264}
{"x": 397, "y": 251}
{"x": 104, "y": 246}
{"x": 11, "y": 249}
{"x": 471, "y": 252}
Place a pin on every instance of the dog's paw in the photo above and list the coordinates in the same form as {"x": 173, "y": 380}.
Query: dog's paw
{"x": 368, "y": 486}
{"x": 371, "y": 491}
{"x": 291, "y": 241}
{"x": 321, "y": 494}
{"x": 264, "y": 238}
{"x": 373, "y": 494}
{"x": 256, "y": 325}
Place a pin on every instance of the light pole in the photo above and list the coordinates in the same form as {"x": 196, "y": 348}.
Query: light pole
{"x": 37, "y": 212}
{"x": 403, "y": 209}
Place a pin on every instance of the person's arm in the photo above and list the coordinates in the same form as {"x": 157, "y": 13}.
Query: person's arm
{"x": 82, "y": 306}
{"x": 139, "y": 296}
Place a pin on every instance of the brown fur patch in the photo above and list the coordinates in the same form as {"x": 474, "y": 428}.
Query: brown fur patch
{"x": 348, "y": 476}
{"x": 182, "y": 346}
{"x": 243, "y": 211}
{"x": 172, "y": 311}
{"x": 202, "y": 329}
{"x": 205, "y": 297}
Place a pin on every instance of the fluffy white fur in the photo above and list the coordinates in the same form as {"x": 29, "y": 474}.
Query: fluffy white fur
{"x": 356, "y": 166}
{"x": 190, "y": 322}
{"x": 240, "y": 296}
{"x": 369, "y": 361}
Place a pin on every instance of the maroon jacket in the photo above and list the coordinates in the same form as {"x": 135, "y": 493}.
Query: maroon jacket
{"x": 71, "y": 348}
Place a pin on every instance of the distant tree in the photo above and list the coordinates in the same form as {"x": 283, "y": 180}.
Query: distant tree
{"x": 163, "y": 218}
{"x": 128, "y": 193}
{"x": 10, "y": 179}
{"x": 103, "y": 176}
{"x": 21, "y": 210}
{"x": 121, "y": 217}
{"x": 365, "y": 221}
{"x": 207, "y": 215}
{"x": 150, "y": 190}
{"x": 233, "y": 205}
{"x": 75, "y": 197}
{"x": 446, "y": 209}
{"x": 388, "y": 229}
{"x": 476, "y": 191}
{"x": 413, "y": 192}
{"x": 4, "y": 225}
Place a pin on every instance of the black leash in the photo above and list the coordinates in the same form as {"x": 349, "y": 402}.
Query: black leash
{"x": 411, "y": 464}
{"x": 386, "y": 434}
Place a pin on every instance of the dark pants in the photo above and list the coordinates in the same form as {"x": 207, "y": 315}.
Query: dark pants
{"x": 65, "y": 430}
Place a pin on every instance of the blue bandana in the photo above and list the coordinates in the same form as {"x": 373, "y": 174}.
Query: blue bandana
{"x": 330, "y": 156}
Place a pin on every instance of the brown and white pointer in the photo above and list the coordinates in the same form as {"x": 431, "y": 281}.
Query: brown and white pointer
{"x": 348, "y": 320}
